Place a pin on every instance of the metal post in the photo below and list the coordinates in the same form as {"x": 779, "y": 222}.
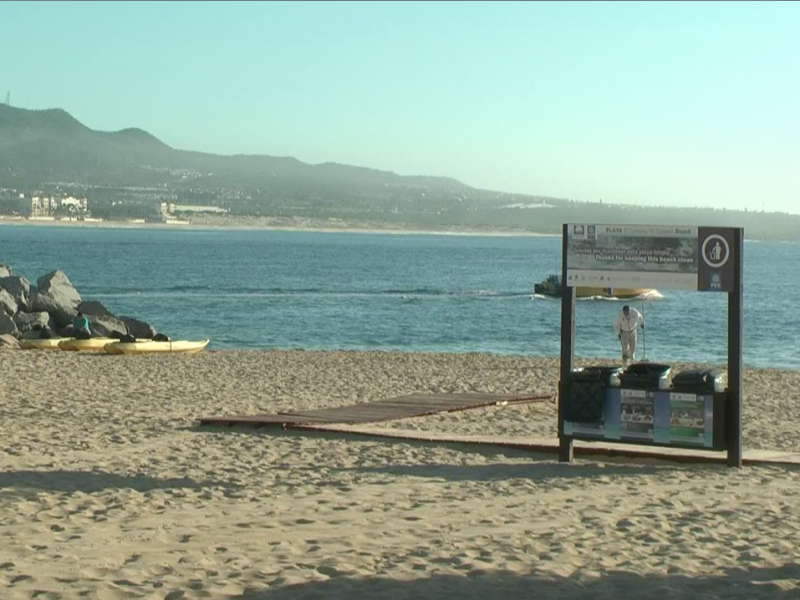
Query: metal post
{"x": 735, "y": 323}
{"x": 567, "y": 349}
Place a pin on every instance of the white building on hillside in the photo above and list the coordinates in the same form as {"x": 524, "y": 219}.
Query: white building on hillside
{"x": 75, "y": 204}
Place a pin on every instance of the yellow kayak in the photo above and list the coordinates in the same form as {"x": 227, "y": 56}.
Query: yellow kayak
{"x": 90, "y": 345}
{"x": 46, "y": 344}
{"x": 149, "y": 346}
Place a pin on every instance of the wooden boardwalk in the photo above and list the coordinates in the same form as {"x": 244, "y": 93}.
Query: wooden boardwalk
{"x": 581, "y": 447}
{"x": 402, "y": 407}
{"x": 354, "y": 419}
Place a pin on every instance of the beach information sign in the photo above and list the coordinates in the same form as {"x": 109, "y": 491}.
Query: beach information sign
{"x": 650, "y": 256}
{"x": 683, "y": 257}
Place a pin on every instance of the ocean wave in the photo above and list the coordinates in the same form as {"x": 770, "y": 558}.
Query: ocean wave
{"x": 205, "y": 292}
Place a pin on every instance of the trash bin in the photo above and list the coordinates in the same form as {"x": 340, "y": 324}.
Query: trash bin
{"x": 710, "y": 385}
{"x": 646, "y": 376}
{"x": 586, "y": 393}
{"x": 700, "y": 381}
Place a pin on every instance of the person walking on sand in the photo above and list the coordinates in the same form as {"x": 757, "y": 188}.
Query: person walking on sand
{"x": 625, "y": 329}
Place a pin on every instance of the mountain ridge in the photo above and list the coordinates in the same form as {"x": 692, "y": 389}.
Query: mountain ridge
{"x": 57, "y": 127}
{"x": 129, "y": 174}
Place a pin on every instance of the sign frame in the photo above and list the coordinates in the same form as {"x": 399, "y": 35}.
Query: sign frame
{"x": 719, "y": 259}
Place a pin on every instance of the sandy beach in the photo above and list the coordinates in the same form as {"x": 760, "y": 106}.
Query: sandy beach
{"x": 109, "y": 489}
{"x": 245, "y": 223}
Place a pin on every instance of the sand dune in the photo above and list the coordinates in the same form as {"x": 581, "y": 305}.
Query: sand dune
{"x": 109, "y": 490}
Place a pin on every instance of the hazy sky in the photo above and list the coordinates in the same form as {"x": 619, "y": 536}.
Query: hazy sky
{"x": 678, "y": 103}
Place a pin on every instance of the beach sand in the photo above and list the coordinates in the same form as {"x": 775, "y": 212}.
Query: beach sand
{"x": 241, "y": 222}
{"x": 110, "y": 490}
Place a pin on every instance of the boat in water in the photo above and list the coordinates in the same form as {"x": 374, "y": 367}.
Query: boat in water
{"x": 552, "y": 287}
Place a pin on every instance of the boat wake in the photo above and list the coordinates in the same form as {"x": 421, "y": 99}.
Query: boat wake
{"x": 649, "y": 295}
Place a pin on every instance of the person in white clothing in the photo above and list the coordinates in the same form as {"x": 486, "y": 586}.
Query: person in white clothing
{"x": 625, "y": 329}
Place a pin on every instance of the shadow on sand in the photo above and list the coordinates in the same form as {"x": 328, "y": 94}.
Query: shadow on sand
{"x": 95, "y": 481}
{"x": 539, "y": 465}
{"x": 776, "y": 583}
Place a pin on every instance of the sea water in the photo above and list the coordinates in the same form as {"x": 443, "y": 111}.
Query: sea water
{"x": 405, "y": 292}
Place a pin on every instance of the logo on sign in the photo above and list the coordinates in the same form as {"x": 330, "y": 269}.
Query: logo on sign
{"x": 715, "y": 251}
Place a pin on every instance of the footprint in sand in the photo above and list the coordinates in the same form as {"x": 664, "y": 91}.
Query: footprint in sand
{"x": 333, "y": 571}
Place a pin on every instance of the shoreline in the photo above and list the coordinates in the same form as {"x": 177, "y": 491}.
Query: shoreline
{"x": 266, "y": 227}
{"x": 579, "y": 360}
{"x": 5, "y": 220}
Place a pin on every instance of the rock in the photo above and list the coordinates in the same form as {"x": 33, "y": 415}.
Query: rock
{"x": 7, "y": 303}
{"x": 7, "y": 325}
{"x": 139, "y": 329}
{"x": 29, "y": 321}
{"x": 94, "y": 307}
{"x": 103, "y": 325}
{"x": 5, "y": 270}
{"x": 8, "y": 341}
{"x": 20, "y": 290}
{"x": 56, "y": 295}
{"x": 40, "y": 334}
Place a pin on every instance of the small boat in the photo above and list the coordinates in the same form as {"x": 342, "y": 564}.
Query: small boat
{"x": 90, "y": 345}
{"x": 552, "y": 287}
{"x": 149, "y": 347}
{"x": 44, "y": 344}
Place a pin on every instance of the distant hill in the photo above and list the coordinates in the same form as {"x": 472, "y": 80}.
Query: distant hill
{"x": 128, "y": 173}
{"x": 51, "y": 145}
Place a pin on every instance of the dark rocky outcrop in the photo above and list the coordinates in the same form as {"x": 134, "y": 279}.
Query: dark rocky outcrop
{"x": 47, "y": 309}
{"x": 139, "y": 329}
{"x": 56, "y": 295}
{"x": 7, "y": 303}
{"x": 94, "y": 307}
{"x": 104, "y": 325}
{"x": 39, "y": 333}
{"x": 30, "y": 321}
{"x": 8, "y": 326}
{"x": 20, "y": 290}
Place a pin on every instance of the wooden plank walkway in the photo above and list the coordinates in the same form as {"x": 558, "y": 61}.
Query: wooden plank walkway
{"x": 550, "y": 445}
{"x": 402, "y": 407}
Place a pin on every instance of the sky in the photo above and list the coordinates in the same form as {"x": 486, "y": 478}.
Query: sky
{"x": 649, "y": 103}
